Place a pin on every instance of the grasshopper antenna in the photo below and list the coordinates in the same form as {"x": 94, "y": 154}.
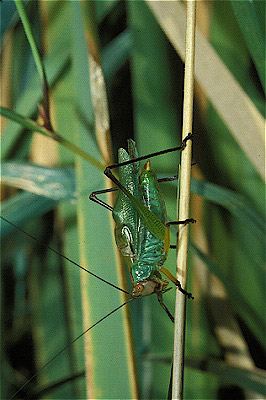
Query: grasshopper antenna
{"x": 70, "y": 344}
{"x": 65, "y": 257}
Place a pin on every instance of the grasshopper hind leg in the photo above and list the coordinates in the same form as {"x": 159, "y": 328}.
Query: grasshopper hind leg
{"x": 160, "y": 299}
{"x": 93, "y": 197}
{"x": 176, "y": 282}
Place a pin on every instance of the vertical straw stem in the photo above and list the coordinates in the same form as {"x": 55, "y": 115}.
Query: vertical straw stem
{"x": 184, "y": 200}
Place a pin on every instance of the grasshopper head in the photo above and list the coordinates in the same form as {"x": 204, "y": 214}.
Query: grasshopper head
{"x": 148, "y": 286}
{"x": 144, "y": 288}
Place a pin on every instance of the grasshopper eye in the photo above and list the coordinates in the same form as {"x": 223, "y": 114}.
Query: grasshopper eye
{"x": 144, "y": 288}
{"x": 139, "y": 287}
{"x": 138, "y": 290}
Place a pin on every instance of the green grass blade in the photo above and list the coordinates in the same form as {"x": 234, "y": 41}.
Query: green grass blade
{"x": 28, "y": 31}
{"x": 248, "y": 14}
{"x": 22, "y": 208}
{"x": 252, "y": 380}
{"x": 116, "y": 54}
{"x": 236, "y": 204}
{"x": 237, "y": 298}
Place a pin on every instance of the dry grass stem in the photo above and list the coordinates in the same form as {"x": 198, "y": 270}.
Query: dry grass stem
{"x": 184, "y": 201}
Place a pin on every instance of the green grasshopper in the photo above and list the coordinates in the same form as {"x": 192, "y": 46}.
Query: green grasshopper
{"x": 142, "y": 232}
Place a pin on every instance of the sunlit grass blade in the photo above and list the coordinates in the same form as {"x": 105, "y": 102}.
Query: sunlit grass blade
{"x": 54, "y": 183}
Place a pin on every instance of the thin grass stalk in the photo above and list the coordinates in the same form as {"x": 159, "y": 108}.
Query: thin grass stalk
{"x": 184, "y": 201}
{"x": 30, "y": 37}
{"x": 45, "y": 110}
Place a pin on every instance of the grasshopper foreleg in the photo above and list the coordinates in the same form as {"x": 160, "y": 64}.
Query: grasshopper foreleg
{"x": 111, "y": 176}
{"x": 93, "y": 195}
{"x": 183, "y": 145}
{"x": 186, "y": 221}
